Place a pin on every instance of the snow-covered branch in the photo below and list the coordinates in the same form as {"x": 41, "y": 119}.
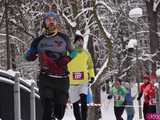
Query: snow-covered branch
{"x": 72, "y": 23}
{"x": 14, "y": 37}
{"x": 102, "y": 69}
{"x": 83, "y": 11}
{"x": 155, "y": 5}
{"x": 105, "y": 5}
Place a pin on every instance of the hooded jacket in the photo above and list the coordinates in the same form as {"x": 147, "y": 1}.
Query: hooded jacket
{"x": 81, "y": 68}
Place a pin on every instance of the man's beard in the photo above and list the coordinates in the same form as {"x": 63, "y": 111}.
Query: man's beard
{"x": 51, "y": 30}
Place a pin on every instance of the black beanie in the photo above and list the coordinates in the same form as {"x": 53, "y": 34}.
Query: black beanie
{"x": 77, "y": 38}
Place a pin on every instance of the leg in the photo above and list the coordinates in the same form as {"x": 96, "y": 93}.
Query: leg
{"x": 59, "y": 111}
{"x": 48, "y": 105}
{"x": 130, "y": 113}
{"x": 76, "y": 110}
{"x": 118, "y": 112}
{"x": 84, "y": 108}
{"x": 152, "y": 109}
{"x": 145, "y": 110}
{"x": 130, "y": 117}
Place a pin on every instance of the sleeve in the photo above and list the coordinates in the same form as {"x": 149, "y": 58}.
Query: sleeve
{"x": 146, "y": 90}
{"x": 69, "y": 46}
{"x": 124, "y": 90}
{"x": 32, "y": 52}
{"x": 66, "y": 38}
{"x": 142, "y": 88}
{"x": 90, "y": 66}
{"x": 72, "y": 52}
{"x": 67, "y": 58}
{"x": 139, "y": 96}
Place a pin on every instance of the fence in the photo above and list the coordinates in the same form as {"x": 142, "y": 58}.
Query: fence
{"x": 18, "y": 99}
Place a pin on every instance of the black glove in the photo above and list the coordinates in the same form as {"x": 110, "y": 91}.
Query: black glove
{"x": 109, "y": 97}
{"x": 139, "y": 96}
{"x": 92, "y": 80}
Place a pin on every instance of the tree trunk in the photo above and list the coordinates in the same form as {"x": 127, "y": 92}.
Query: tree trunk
{"x": 152, "y": 19}
{"x": 94, "y": 112}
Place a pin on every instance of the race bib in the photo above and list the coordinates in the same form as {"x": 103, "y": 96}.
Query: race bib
{"x": 78, "y": 75}
{"x": 117, "y": 97}
{"x": 152, "y": 101}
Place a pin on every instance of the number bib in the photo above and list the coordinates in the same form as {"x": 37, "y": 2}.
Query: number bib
{"x": 78, "y": 75}
{"x": 118, "y": 97}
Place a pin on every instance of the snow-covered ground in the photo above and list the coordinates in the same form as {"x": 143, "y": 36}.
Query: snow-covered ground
{"x": 107, "y": 108}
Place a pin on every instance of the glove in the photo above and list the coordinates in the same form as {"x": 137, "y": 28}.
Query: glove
{"x": 92, "y": 80}
{"x": 109, "y": 97}
{"x": 139, "y": 96}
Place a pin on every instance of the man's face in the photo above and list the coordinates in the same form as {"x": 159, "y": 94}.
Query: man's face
{"x": 117, "y": 84}
{"x": 79, "y": 43}
{"x": 146, "y": 80}
{"x": 51, "y": 23}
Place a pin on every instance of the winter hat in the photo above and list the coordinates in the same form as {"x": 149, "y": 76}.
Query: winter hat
{"x": 51, "y": 14}
{"x": 78, "y": 37}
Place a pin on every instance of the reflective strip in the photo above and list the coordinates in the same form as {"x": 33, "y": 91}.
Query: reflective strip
{"x": 56, "y": 76}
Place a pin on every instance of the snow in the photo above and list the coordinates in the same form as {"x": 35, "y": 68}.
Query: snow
{"x": 107, "y": 108}
{"x": 86, "y": 38}
{"x": 10, "y": 72}
{"x": 72, "y": 23}
{"x": 14, "y": 37}
{"x": 13, "y": 73}
{"x": 155, "y": 5}
{"x": 132, "y": 43}
{"x": 135, "y": 12}
{"x": 101, "y": 70}
{"x": 83, "y": 11}
{"x": 106, "y": 6}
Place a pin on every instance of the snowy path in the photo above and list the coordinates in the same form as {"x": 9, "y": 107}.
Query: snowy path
{"x": 107, "y": 110}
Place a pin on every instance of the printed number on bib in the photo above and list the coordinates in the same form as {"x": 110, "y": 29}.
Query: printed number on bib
{"x": 78, "y": 75}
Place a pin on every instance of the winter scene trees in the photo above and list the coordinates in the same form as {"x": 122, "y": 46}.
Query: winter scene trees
{"x": 122, "y": 37}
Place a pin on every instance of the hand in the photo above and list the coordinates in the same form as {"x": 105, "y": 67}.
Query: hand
{"x": 92, "y": 80}
{"x": 139, "y": 96}
{"x": 109, "y": 97}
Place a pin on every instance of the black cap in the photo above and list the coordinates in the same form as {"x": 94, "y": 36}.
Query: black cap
{"x": 77, "y": 38}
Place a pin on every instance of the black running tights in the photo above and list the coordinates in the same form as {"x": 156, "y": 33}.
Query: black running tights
{"x": 80, "y": 113}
